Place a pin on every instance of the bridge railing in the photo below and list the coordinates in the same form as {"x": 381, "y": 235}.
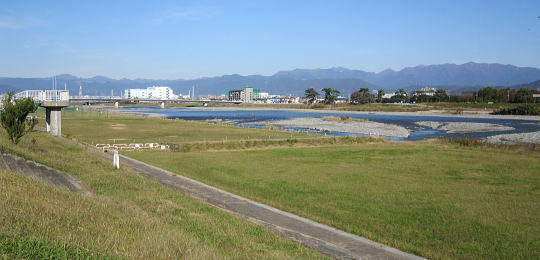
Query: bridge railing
{"x": 44, "y": 95}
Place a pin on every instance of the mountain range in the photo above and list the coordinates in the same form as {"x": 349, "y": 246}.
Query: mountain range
{"x": 453, "y": 77}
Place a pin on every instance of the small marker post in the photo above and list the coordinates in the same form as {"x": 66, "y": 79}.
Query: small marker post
{"x": 116, "y": 160}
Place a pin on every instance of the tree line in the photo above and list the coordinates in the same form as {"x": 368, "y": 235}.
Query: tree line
{"x": 483, "y": 95}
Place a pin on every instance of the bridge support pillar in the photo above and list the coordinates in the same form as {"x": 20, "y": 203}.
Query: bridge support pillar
{"x": 53, "y": 116}
{"x": 162, "y": 105}
{"x": 116, "y": 104}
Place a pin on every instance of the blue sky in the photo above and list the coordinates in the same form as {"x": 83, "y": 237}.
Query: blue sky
{"x": 190, "y": 39}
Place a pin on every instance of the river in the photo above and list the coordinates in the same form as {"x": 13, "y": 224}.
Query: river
{"x": 252, "y": 118}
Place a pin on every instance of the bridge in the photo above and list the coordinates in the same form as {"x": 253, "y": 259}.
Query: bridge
{"x": 55, "y": 100}
{"x": 117, "y": 99}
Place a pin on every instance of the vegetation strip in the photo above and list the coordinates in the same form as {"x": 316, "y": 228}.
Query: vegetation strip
{"x": 355, "y": 246}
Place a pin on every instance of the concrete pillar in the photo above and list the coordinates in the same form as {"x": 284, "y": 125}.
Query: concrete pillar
{"x": 48, "y": 119}
{"x": 162, "y": 105}
{"x": 116, "y": 104}
{"x": 53, "y": 117}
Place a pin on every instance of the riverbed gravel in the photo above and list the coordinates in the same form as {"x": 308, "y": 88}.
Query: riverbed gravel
{"x": 519, "y": 138}
{"x": 367, "y": 128}
{"x": 463, "y": 127}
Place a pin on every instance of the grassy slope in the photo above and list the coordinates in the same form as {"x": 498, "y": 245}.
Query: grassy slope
{"x": 432, "y": 199}
{"x": 107, "y": 128}
{"x": 132, "y": 217}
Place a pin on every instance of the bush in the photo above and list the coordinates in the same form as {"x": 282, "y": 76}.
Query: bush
{"x": 523, "y": 109}
{"x": 14, "y": 116}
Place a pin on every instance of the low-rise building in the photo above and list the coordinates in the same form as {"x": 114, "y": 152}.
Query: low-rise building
{"x": 246, "y": 95}
{"x": 154, "y": 92}
{"x": 388, "y": 95}
{"x": 425, "y": 91}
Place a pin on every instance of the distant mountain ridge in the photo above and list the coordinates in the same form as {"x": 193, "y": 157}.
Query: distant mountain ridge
{"x": 453, "y": 77}
{"x": 441, "y": 74}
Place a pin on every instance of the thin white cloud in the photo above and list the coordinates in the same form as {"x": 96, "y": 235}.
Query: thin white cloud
{"x": 8, "y": 25}
{"x": 187, "y": 14}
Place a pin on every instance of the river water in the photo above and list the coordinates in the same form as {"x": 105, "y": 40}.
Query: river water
{"x": 248, "y": 118}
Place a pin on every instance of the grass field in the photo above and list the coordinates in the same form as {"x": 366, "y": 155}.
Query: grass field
{"x": 95, "y": 127}
{"x": 435, "y": 199}
{"x": 132, "y": 217}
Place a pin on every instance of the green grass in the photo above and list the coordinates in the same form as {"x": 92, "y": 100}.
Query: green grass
{"x": 264, "y": 144}
{"x": 92, "y": 127}
{"x": 21, "y": 248}
{"x": 435, "y": 199}
{"x": 131, "y": 217}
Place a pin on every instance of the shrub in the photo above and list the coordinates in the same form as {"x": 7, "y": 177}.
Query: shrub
{"x": 14, "y": 116}
{"x": 523, "y": 109}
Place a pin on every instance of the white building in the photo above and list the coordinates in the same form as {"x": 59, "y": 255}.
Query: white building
{"x": 154, "y": 92}
{"x": 388, "y": 95}
{"x": 244, "y": 95}
{"x": 426, "y": 91}
{"x": 261, "y": 95}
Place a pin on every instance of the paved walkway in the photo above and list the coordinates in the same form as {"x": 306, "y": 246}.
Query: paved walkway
{"x": 327, "y": 240}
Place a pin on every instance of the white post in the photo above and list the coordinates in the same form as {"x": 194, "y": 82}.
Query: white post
{"x": 116, "y": 104}
{"x": 116, "y": 160}
{"x": 162, "y": 105}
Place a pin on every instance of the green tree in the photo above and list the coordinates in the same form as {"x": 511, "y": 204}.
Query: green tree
{"x": 440, "y": 95}
{"x": 524, "y": 95}
{"x": 311, "y": 94}
{"x": 362, "y": 96}
{"x": 14, "y": 116}
{"x": 380, "y": 95}
{"x": 330, "y": 95}
{"x": 400, "y": 96}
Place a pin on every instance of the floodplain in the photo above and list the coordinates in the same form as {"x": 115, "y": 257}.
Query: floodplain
{"x": 438, "y": 199}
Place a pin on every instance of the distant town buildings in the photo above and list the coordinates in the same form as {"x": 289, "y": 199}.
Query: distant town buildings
{"x": 154, "y": 92}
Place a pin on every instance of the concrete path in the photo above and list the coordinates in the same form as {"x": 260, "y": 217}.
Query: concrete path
{"x": 327, "y": 240}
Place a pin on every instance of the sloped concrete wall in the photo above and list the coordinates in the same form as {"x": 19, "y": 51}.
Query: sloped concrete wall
{"x": 43, "y": 173}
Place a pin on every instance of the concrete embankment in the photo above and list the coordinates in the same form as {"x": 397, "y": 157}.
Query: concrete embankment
{"x": 43, "y": 173}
